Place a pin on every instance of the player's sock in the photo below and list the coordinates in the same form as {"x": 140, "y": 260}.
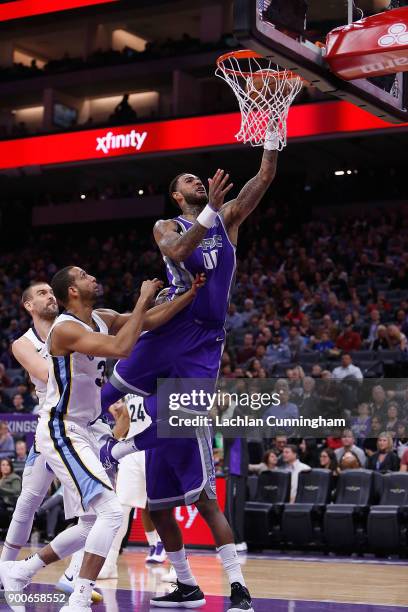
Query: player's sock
{"x": 230, "y": 562}
{"x": 30, "y": 565}
{"x": 183, "y": 570}
{"x": 75, "y": 564}
{"x": 152, "y": 537}
{"x": 83, "y": 592}
{"x": 9, "y": 553}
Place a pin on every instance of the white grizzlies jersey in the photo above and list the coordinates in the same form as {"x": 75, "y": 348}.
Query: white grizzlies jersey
{"x": 42, "y": 350}
{"x": 139, "y": 419}
{"x": 75, "y": 381}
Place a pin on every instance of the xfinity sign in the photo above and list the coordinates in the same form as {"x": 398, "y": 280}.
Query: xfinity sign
{"x": 111, "y": 141}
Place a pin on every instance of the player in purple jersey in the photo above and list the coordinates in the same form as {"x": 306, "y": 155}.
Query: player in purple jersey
{"x": 179, "y": 472}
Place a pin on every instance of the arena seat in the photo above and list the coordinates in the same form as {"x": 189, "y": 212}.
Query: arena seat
{"x": 387, "y": 523}
{"x": 263, "y": 516}
{"x": 302, "y": 521}
{"x": 309, "y": 358}
{"x": 344, "y": 521}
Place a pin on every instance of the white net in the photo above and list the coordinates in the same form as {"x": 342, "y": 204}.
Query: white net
{"x": 264, "y": 94}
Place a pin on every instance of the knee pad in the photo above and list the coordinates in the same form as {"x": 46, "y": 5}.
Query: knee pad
{"x": 108, "y": 508}
{"x": 85, "y": 524}
{"x": 27, "y": 505}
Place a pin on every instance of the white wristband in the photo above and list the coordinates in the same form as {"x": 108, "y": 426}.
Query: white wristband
{"x": 207, "y": 217}
{"x": 271, "y": 141}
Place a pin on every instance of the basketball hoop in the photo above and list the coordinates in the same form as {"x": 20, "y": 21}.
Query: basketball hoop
{"x": 264, "y": 93}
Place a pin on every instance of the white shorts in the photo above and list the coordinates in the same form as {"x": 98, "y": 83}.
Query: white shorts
{"x": 131, "y": 481}
{"x": 71, "y": 450}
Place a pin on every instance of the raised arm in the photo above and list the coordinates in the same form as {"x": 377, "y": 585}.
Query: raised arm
{"x": 180, "y": 246}
{"x": 236, "y": 211}
{"x": 70, "y": 336}
{"x": 156, "y": 316}
{"x": 26, "y": 354}
{"x": 161, "y": 314}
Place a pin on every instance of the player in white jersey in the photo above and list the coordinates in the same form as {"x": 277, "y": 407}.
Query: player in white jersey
{"x": 64, "y": 437}
{"x": 31, "y": 352}
{"x": 131, "y": 486}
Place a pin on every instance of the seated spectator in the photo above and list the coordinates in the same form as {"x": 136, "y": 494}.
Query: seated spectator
{"x": 4, "y": 379}
{"x": 385, "y": 459}
{"x": 349, "y": 461}
{"x": 370, "y": 332}
{"x": 234, "y": 319}
{"x": 349, "y": 340}
{"x": 6, "y": 441}
{"x": 401, "y": 441}
{"x": 396, "y": 339}
{"x": 404, "y": 462}
{"x": 295, "y": 342}
{"x": 378, "y": 405}
{"x": 248, "y": 349}
{"x": 316, "y": 371}
{"x": 391, "y": 423}
{"x": 249, "y": 310}
{"x": 279, "y": 443}
{"x": 284, "y": 410}
{"x": 18, "y": 404}
{"x": 5, "y": 403}
{"x": 381, "y": 342}
{"x": 361, "y": 425}
{"x": 322, "y": 344}
{"x": 53, "y": 509}
{"x": 328, "y": 460}
{"x": 21, "y": 455}
{"x": 348, "y": 444}
{"x": 278, "y": 352}
{"x": 269, "y": 462}
{"x": 10, "y": 483}
{"x": 260, "y": 354}
{"x": 347, "y": 369}
{"x": 309, "y": 402}
{"x": 370, "y": 443}
{"x": 308, "y": 452}
{"x": 292, "y": 464}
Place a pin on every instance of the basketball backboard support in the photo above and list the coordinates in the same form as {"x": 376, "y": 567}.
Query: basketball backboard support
{"x": 305, "y": 58}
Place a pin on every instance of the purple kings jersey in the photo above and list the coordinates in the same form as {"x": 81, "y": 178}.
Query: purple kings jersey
{"x": 215, "y": 256}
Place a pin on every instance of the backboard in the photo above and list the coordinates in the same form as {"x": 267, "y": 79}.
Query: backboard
{"x": 300, "y": 54}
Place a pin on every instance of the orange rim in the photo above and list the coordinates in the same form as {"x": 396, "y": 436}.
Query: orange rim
{"x": 248, "y": 54}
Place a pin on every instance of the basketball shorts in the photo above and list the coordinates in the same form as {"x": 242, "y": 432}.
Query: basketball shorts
{"x": 72, "y": 452}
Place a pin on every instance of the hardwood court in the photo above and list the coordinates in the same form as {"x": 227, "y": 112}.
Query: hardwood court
{"x": 277, "y": 584}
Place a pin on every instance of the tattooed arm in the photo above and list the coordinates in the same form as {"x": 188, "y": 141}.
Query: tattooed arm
{"x": 236, "y": 211}
{"x": 179, "y": 246}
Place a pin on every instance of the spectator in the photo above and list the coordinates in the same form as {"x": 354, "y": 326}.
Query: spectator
{"x": 401, "y": 442}
{"x": 349, "y": 461}
{"x": 316, "y": 371}
{"x": 4, "y": 379}
{"x": 396, "y": 339}
{"x": 392, "y": 418}
{"x": 361, "y": 425}
{"x": 234, "y": 319}
{"x": 269, "y": 462}
{"x": 53, "y": 509}
{"x": 378, "y": 405}
{"x": 284, "y": 410}
{"x": 370, "y": 333}
{"x": 18, "y": 404}
{"x": 6, "y": 441}
{"x": 384, "y": 460}
{"x": 10, "y": 483}
{"x": 381, "y": 342}
{"x": 295, "y": 343}
{"x": 279, "y": 443}
{"x": 347, "y": 369}
{"x": 248, "y": 349}
{"x": 404, "y": 462}
{"x": 123, "y": 111}
{"x": 328, "y": 460}
{"x": 249, "y": 310}
{"x": 278, "y": 352}
{"x": 308, "y": 452}
{"x": 349, "y": 340}
{"x": 21, "y": 455}
{"x": 324, "y": 343}
{"x": 348, "y": 444}
{"x": 294, "y": 466}
{"x": 370, "y": 443}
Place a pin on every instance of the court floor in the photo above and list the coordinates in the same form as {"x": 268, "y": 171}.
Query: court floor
{"x": 278, "y": 583}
